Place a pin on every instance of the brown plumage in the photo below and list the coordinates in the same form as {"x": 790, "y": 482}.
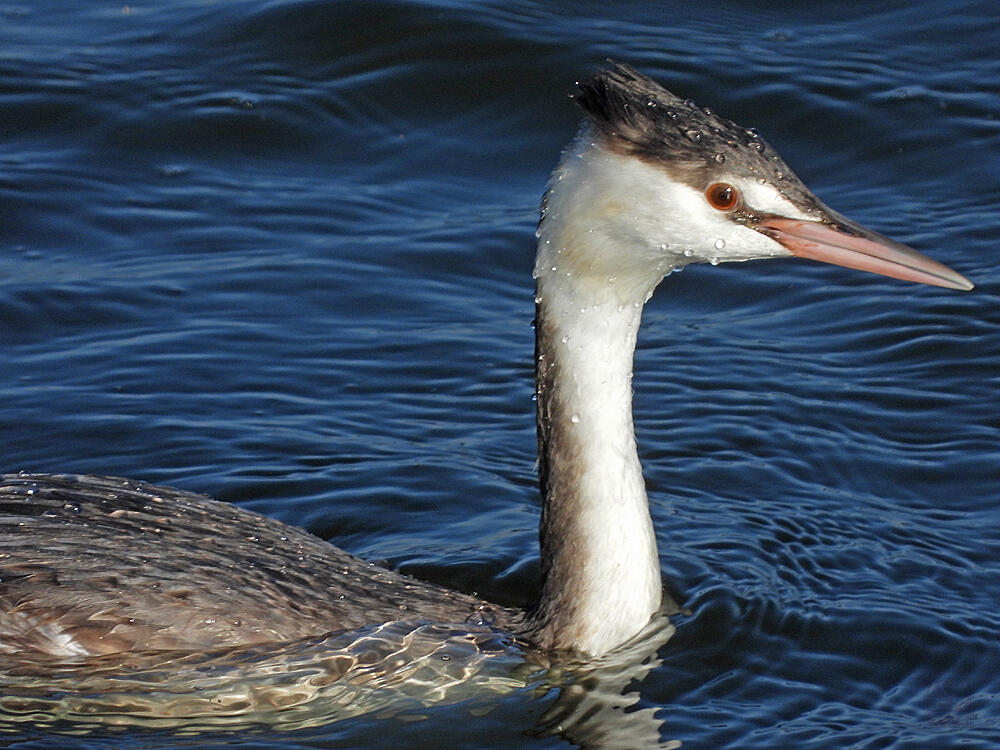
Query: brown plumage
{"x": 100, "y": 565}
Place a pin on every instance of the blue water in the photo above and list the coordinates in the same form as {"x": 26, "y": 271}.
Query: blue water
{"x": 280, "y": 253}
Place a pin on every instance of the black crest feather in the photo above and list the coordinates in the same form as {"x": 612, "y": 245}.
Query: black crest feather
{"x": 639, "y": 117}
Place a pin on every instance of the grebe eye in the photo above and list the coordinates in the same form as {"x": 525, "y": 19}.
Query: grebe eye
{"x": 722, "y": 195}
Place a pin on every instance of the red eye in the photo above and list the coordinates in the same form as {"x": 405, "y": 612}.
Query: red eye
{"x": 722, "y": 195}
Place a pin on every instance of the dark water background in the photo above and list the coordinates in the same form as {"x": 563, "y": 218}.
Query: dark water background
{"x": 280, "y": 252}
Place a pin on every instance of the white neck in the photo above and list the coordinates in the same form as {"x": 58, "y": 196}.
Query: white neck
{"x": 600, "y": 569}
{"x": 612, "y": 226}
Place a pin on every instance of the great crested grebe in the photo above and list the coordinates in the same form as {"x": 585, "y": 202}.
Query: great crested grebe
{"x": 95, "y": 565}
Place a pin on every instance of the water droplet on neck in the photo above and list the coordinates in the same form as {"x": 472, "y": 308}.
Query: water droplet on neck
{"x": 720, "y": 243}
{"x": 575, "y": 419}
{"x": 714, "y": 261}
{"x": 693, "y": 135}
{"x": 720, "y": 158}
{"x": 688, "y": 252}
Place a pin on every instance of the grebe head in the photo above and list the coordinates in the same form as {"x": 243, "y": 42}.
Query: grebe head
{"x": 652, "y": 183}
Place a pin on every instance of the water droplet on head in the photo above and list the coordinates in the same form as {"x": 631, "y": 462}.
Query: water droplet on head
{"x": 575, "y": 419}
{"x": 720, "y": 243}
{"x": 714, "y": 261}
{"x": 720, "y": 158}
{"x": 688, "y": 252}
{"x": 692, "y": 134}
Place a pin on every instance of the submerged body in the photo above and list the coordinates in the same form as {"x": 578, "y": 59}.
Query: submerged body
{"x": 92, "y": 566}
{"x": 138, "y": 567}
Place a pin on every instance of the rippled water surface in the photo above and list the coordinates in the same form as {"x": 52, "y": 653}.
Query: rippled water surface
{"x": 280, "y": 253}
